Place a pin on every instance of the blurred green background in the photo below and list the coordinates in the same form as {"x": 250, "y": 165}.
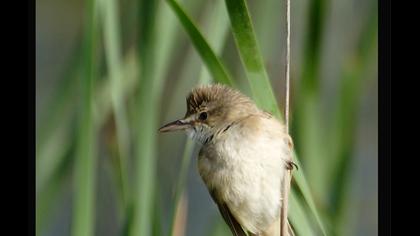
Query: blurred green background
{"x": 109, "y": 73}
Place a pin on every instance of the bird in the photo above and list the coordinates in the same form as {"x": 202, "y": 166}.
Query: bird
{"x": 245, "y": 158}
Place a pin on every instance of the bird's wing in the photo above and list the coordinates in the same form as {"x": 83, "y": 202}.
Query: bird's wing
{"x": 230, "y": 220}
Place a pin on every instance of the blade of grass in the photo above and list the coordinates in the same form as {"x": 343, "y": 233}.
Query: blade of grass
{"x": 55, "y": 115}
{"x": 51, "y": 181}
{"x": 344, "y": 128}
{"x": 308, "y": 116}
{"x": 180, "y": 185}
{"x": 299, "y": 217}
{"x": 218, "y": 25}
{"x": 217, "y": 70}
{"x": 315, "y": 29}
{"x": 48, "y": 194}
{"x": 83, "y": 215}
{"x": 52, "y": 153}
{"x": 146, "y": 103}
{"x": 154, "y": 61}
{"x": 181, "y": 214}
{"x": 109, "y": 10}
{"x": 249, "y": 52}
{"x": 219, "y": 228}
{"x": 53, "y": 129}
{"x": 307, "y": 129}
{"x": 103, "y": 102}
{"x": 303, "y": 186}
{"x": 270, "y": 38}
{"x": 157, "y": 216}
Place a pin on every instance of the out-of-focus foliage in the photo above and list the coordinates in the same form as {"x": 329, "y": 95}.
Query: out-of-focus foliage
{"x": 110, "y": 72}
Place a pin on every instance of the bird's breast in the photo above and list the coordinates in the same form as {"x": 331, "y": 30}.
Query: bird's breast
{"x": 245, "y": 172}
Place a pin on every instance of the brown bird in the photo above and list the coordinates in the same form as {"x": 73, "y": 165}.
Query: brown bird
{"x": 245, "y": 158}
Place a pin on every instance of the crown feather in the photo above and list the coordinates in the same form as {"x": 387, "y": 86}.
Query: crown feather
{"x": 212, "y": 93}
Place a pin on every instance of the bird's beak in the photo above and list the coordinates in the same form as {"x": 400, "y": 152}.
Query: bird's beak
{"x": 175, "y": 125}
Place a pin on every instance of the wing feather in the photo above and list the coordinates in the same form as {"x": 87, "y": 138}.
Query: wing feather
{"x": 230, "y": 220}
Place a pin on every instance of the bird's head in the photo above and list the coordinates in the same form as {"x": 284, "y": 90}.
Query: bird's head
{"x": 211, "y": 108}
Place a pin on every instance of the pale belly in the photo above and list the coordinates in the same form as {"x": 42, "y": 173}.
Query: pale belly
{"x": 247, "y": 177}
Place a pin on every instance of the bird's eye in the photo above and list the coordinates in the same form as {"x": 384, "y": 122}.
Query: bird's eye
{"x": 203, "y": 116}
